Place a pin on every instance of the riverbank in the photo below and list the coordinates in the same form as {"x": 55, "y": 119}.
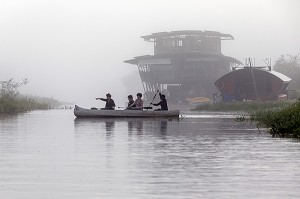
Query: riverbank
{"x": 283, "y": 122}
{"x": 20, "y": 103}
{"x": 246, "y": 107}
{"x": 281, "y": 118}
{"x": 12, "y": 102}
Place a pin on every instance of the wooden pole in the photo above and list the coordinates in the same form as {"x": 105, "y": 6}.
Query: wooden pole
{"x": 253, "y": 79}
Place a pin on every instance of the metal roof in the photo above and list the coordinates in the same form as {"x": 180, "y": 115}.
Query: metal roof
{"x": 281, "y": 76}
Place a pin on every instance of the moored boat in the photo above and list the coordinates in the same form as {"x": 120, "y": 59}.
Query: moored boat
{"x": 198, "y": 101}
{"x": 82, "y": 112}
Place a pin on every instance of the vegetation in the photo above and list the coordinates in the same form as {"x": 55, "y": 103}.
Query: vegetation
{"x": 247, "y": 107}
{"x": 282, "y": 122}
{"x": 12, "y": 102}
{"x": 290, "y": 66}
{"x": 281, "y": 118}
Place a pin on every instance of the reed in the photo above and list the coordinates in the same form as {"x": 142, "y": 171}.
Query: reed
{"x": 19, "y": 104}
{"x": 12, "y": 102}
{"x": 248, "y": 107}
{"x": 281, "y": 118}
{"x": 283, "y": 122}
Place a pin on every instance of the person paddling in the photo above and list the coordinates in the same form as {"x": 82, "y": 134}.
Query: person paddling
{"x": 110, "y": 104}
{"x": 163, "y": 103}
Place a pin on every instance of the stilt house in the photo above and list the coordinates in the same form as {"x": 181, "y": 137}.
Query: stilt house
{"x": 185, "y": 63}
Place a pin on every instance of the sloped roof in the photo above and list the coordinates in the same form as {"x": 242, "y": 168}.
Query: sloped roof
{"x": 281, "y": 76}
{"x": 188, "y": 55}
{"x": 187, "y": 33}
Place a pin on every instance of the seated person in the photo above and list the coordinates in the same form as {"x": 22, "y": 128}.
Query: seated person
{"x": 110, "y": 104}
{"x": 130, "y": 101}
{"x": 163, "y": 103}
{"x": 138, "y": 103}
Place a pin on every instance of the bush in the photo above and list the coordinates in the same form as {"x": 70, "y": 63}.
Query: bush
{"x": 283, "y": 122}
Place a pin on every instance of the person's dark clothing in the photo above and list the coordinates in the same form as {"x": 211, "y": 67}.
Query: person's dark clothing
{"x": 110, "y": 104}
{"x": 130, "y": 102}
{"x": 163, "y": 104}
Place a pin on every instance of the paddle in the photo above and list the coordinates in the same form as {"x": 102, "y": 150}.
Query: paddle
{"x": 122, "y": 107}
{"x": 149, "y": 107}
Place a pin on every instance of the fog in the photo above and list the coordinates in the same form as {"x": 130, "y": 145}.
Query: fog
{"x": 73, "y": 50}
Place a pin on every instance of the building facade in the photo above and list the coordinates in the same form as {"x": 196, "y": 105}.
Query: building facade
{"x": 184, "y": 64}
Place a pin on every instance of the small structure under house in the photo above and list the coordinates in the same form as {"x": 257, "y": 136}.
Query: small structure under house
{"x": 252, "y": 83}
{"x": 184, "y": 65}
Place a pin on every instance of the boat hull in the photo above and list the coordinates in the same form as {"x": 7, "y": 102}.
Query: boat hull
{"x": 84, "y": 113}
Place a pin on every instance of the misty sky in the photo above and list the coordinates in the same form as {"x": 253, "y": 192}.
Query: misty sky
{"x": 73, "y": 50}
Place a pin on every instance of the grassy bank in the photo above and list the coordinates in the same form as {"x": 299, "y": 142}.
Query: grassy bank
{"x": 19, "y": 104}
{"x": 282, "y": 122}
{"x": 282, "y": 118}
{"x": 247, "y": 107}
{"x": 12, "y": 102}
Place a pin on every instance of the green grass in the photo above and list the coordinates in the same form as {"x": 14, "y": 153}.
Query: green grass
{"x": 18, "y": 104}
{"x": 247, "y": 107}
{"x": 283, "y": 122}
{"x": 281, "y": 118}
{"x": 12, "y": 102}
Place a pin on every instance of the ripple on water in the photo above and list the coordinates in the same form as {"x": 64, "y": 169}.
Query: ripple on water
{"x": 48, "y": 154}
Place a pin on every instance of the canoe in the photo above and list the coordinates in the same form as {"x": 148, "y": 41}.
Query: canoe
{"x": 80, "y": 112}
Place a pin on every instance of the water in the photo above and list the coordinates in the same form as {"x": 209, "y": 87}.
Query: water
{"x": 49, "y": 155}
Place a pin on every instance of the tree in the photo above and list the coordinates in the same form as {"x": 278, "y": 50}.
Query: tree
{"x": 10, "y": 88}
{"x": 289, "y": 66}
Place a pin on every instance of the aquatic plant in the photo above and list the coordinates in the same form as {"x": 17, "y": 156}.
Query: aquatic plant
{"x": 10, "y": 88}
{"x": 12, "y": 102}
{"x": 248, "y": 106}
{"x": 281, "y": 118}
{"x": 282, "y": 122}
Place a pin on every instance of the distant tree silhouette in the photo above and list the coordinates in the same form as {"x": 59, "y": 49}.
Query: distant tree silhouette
{"x": 290, "y": 66}
{"x": 10, "y": 88}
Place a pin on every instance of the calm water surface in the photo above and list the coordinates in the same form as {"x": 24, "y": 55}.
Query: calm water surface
{"x": 50, "y": 154}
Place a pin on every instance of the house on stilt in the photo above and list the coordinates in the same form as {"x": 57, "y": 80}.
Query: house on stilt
{"x": 185, "y": 64}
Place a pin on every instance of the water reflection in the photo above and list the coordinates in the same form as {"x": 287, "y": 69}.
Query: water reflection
{"x": 110, "y": 126}
{"x": 140, "y": 126}
{"x": 163, "y": 126}
{"x": 135, "y": 126}
{"x": 52, "y": 155}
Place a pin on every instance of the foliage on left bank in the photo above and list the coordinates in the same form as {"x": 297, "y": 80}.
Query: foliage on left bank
{"x": 11, "y": 101}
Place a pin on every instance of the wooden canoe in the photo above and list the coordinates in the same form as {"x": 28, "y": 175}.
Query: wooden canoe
{"x": 82, "y": 112}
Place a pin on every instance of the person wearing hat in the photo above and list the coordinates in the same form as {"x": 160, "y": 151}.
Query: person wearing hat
{"x": 138, "y": 103}
{"x": 110, "y": 104}
{"x": 163, "y": 103}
